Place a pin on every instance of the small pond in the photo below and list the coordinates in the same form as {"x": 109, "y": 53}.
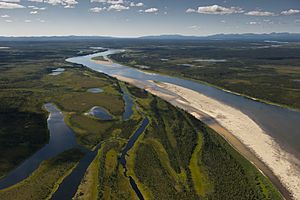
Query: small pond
{"x": 57, "y": 71}
{"x": 100, "y": 113}
{"x": 95, "y": 90}
{"x": 211, "y": 60}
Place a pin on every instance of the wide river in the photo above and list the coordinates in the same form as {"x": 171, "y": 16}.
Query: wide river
{"x": 280, "y": 123}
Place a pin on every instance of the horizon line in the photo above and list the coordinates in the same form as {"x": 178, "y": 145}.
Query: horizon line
{"x": 149, "y": 35}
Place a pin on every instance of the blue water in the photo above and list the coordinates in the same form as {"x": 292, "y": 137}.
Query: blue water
{"x": 100, "y": 113}
{"x": 57, "y": 71}
{"x": 128, "y": 105}
{"x": 129, "y": 145}
{"x": 280, "y": 123}
{"x": 135, "y": 188}
{"x": 61, "y": 139}
{"x": 95, "y": 90}
{"x": 132, "y": 140}
{"x": 68, "y": 188}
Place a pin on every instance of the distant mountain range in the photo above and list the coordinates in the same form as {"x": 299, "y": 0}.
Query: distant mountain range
{"x": 247, "y": 36}
{"x": 54, "y": 38}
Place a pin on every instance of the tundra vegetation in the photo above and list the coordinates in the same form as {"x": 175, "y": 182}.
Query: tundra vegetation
{"x": 264, "y": 70}
{"x": 176, "y": 157}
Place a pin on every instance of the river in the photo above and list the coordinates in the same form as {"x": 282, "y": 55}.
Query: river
{"x": 124, "y": 153}
{"x": 61, "y": 139}
{"x": 281, "y": 124}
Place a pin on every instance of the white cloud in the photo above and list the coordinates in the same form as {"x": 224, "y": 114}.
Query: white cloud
{"x": 260, "y": 13}
{"x": 38, "y": 1}
{"x": 9, "y": 5}
{"x": 99, "y": 1}
{"x": 151, "y": 10}
{"x": 114, "y": 2}
{"x": 254, "y": 23}
{"x": 194, "y": 27}
{"x": 97, "y": 9}
{"x": 11, "y": 1}
{"x": 216, "y": 10}
{"x": 114, "y": 5}
{"x": 290, "y": 12}
{"x": 33, "y": 12}
{"x": 117, "y": 7}
{"x": 27, "y": 21}
{"x": 65, "y": 3}
{"x": 190, "y": 10}
{"x": 36, "y": 8}
{"x": 140, "y": 4}
{"x": 5, "y": 16}
{"x": 62, "y": 2}
{"x": 8, "y": 21}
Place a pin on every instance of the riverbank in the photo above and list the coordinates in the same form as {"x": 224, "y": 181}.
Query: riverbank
{"x": 102, "y": 61}
{"x": 234, "y": 126}
{"x": 149, "y": 71}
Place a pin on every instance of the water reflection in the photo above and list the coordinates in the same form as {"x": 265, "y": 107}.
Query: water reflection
{"x": 100, "y": 113}
{"x": 61, "y": 139}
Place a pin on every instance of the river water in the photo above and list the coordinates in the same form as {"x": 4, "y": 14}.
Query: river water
{"x": 128, "y": 105}
{"x": 280, "y": 123}
{"x": 61, "y": 139}
{"x": 68, "y": 188}
{"x": 124, "y": 153}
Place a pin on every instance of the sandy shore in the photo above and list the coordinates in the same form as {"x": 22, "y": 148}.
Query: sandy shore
{"x": 103, "y": 62}
{"x": 239, "y": 130}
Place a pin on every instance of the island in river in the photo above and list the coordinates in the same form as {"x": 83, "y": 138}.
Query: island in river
{"x": 280, "y": 156}
{"x": 174, "y": 155}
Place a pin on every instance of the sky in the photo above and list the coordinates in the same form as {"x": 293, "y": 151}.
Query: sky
{"x": 132, "y": 18}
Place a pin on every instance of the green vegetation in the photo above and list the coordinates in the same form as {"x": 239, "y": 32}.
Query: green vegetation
{"x": 112, "y": 182}
{"x": 177, "y": 157}
{"x": 75, "y": 101}
{"x": 45, "y": 180}
{"x": 255, "y": 69}
{"x": 231, "y": 174}
{"x": 199, "y": 173}
{"x": 21, "y": 134}
{"x": 88, "y": 188}
{"x": 25, "y": 86}
{"x": 182, "y": 145}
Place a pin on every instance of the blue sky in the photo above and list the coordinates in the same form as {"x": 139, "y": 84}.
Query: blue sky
{"x": 130, "y": 18}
